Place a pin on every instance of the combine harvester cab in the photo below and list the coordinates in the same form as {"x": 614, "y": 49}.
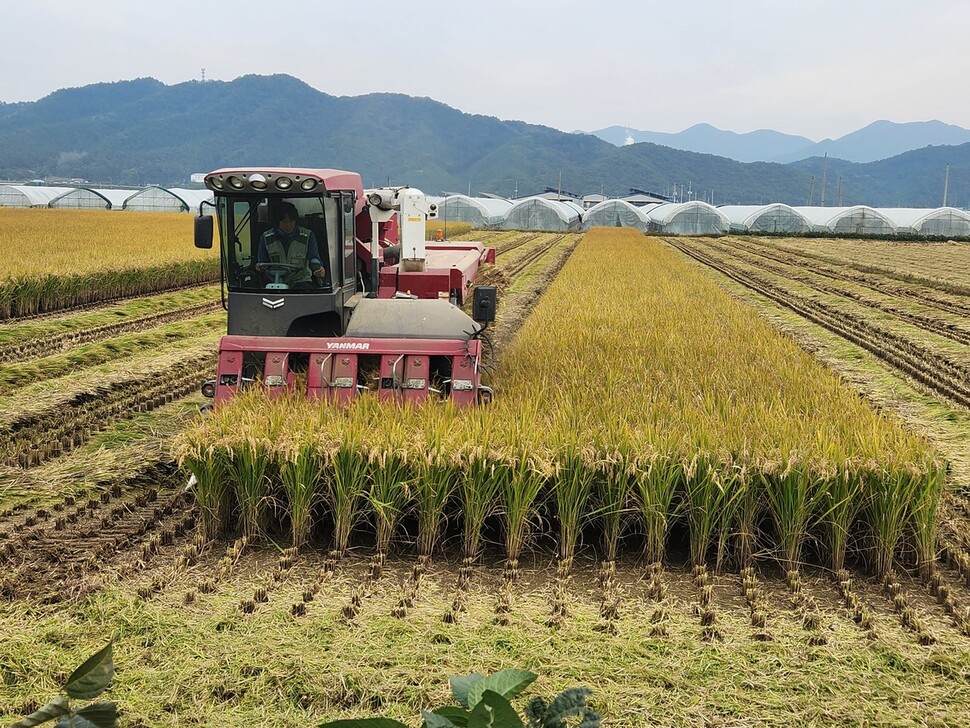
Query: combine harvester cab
{"x": 330, "y": 284}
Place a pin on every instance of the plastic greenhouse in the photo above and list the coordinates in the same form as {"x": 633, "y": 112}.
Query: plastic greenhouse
{"x": 947, "y": 222}
{"x": 538, "y": 213}
{"x": 687, "y": 218}
{"x": 158, "y": 199}
{"x": 481, "y": 212}
{"x": 615, "y": 213}
{"x": 775, "y": 218}
{"x": 84, "y": 198}
{"x": 860, "y": 220}
{"x": 28, "y": 196}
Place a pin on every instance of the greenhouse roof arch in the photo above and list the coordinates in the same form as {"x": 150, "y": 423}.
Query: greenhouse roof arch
{"x": 947, "y": 222}
{"x": 29, "y": 195}
{"x": 480, "y": 212}
{"x": 538, "y": 213}
{"x": 616, "y": 213}
{"x": 860, "y": 220}
{"x": 687, "y": 218}
{"x": 162, "y": 199}
{"x": 89, "y": 198}
{"x": 774, "y": 218}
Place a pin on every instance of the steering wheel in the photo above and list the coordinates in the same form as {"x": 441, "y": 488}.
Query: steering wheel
{"x": 278, "y": 270}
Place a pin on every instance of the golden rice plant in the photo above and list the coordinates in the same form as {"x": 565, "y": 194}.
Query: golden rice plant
{"x": 391, "y": 476}
{"x": 211, "y": 486}
{"x": 302, "y": 471}
{"x": 346, "y": 481}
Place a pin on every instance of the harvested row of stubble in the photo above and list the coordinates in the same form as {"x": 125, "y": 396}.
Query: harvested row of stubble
{"x": 637, "y": 393}
{"x": 60, "y": 259}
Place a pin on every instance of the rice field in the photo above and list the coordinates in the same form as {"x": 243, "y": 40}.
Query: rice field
{"x": 655, "y": 506}
{"x": 61, "y": 259}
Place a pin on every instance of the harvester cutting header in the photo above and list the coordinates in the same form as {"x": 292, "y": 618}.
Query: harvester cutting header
{"x": 322, "y": 277}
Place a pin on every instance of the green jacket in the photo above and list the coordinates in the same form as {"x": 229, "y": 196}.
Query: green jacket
{"x": 295, "y": 254}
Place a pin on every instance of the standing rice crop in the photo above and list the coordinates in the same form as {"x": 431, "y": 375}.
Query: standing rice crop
{"x": 792, "y": 494}
{"x": 520, "y": 484}
{"x": 211, "y": 486}
{"x": 923, "y": 516}
{"x": 479, "y": 483}
{"x": 575, "y": 475}
{"x": 347, "y": 483}
{"x": 302, "y": 469}
{"x": 616, "y": 477}
{"x": 247, "y": 465}
{"x": 656, "y": 481}
{"x": 843, "y": 499}
{"x": 635, "y": 384}
{"x": 391, "y": 478}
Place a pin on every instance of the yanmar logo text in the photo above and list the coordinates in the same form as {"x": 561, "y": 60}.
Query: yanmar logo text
{"x": 344, "y": 345}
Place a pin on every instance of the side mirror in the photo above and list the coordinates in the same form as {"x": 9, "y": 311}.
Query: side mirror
{"x": 484, "y": 304}
{"x": 203, "y": 231}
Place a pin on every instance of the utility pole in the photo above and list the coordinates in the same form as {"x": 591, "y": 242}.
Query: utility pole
{"x": 825, "y": 160}
{"x": 946, "y": 183}
{"x": 559, "y": 192}
{"x": 811, "y": 190}
{"x": 840, "y": 191}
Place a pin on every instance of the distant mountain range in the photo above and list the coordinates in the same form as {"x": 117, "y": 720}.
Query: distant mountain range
{"x": 142, "y": 132}
{"x": 878, "y": 140}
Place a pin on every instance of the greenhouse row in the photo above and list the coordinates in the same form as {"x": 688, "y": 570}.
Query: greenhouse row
{"x": 148, "y": 199}
{"x": 700, "y": 218}
{"x": 541, "y": 213}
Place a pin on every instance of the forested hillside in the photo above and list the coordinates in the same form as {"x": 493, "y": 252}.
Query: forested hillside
{"x": 144, "y": 132}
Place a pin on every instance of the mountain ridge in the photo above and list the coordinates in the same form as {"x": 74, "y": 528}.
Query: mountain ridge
{"x": 143, "y": 131}
{"x": 876, "y": 141}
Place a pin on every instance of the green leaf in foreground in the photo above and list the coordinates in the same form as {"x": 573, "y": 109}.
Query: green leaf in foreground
{"x": 363, "y": 723}
{"x": 96, "y": 715}
{"x": 461, "y": 685}
{"x": 494, "y": 711}
{"x": 57, "y": 707}
{"x": 507, "y": 683}
{"x": 436, "y": 720}
{"x": 458, "y": 716}
{"x": 568, "y": 703}
{"x": 91, "y": 678}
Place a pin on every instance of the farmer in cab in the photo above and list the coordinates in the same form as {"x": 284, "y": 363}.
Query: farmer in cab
{"x": 288, "y": 244}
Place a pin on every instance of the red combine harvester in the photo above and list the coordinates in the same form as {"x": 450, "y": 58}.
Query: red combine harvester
{"x": 351, "y": 294}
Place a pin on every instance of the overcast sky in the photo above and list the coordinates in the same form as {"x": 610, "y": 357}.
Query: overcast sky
{"x": 819, "y": 69}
